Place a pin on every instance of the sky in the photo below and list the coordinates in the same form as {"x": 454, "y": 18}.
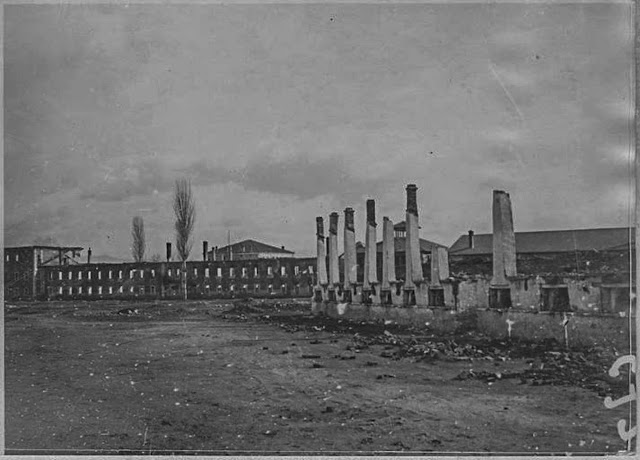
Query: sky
{"x": 281, "y": 113}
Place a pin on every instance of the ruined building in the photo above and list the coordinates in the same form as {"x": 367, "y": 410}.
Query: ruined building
{"x": 379, "y": 276}
{"x": 36, "y": 277}
{"x": 583, "y": 271}
{"x": 23, "y": 264}
{"x": 584, "y": 260}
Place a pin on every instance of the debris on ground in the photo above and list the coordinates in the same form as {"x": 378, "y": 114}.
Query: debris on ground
{"x": 549, "y": 361}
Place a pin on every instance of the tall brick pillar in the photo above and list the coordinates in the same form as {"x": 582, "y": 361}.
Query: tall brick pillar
{"x": 334, "y": 269}
{"x": 413, "y": 263}
{"x": 349, "y": 260}
{"x": 388, "y": 260}
{"x": 370, "y": 259}
{"x": 436, "y": 290}
{"x": 504, "y": 251}
{"x": 509, "y": 237}
{"x": 321, "y": 261}
{"x": 443, "y": 262}
{"x": 435, "y": 267}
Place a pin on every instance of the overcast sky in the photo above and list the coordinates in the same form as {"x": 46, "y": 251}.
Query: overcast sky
{"x": 281, "y": 113}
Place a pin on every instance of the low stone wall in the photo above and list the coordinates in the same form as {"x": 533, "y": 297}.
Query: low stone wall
{"x": 607, "y": 331}
{"x": 611, "y": 332}
{"x": 585, "y": 293}
{"x": 439, "y": 319}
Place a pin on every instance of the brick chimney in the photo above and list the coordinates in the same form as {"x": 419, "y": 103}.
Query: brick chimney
{"x": 471, "y": 239}
{"x": 89, "y": 256}
{"x": 205, "y": 250}
{"x": 412, "y": 199}
{"x": 168, "y": 251}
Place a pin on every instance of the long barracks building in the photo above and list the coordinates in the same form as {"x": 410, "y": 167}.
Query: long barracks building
{"x": 26, "y": 279}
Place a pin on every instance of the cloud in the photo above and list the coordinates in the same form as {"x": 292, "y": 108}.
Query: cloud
{"x": 128, "y": 179}
{"x": 106, "y": 104}
{"x": 299, "y": 177}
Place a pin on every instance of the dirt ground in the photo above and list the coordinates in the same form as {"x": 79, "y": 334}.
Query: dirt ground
{"x": 207, "y": 377}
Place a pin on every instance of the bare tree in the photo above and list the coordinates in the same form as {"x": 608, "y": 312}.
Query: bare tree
{"x": 185, "y": 211}
{"x": 156, "y": 258}
{"x": 138, "y": 244}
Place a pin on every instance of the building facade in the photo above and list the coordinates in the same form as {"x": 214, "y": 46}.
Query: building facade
{"x": 23, "y": 264}
{"x": 290, "y": 277}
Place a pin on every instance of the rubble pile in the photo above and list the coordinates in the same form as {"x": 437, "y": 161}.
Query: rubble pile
{"x": 263, "y": 309}
{"x": 559, "y": 369}
{"x": 423, "y": 349}
{"x": 309, "y": 323}
{"x": 549, "y": 363}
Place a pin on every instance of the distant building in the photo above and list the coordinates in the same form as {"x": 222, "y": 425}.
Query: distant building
{"x": 600, "y": 250}
{"x": 248, "y": 250}
{"x": 399, "y": 242}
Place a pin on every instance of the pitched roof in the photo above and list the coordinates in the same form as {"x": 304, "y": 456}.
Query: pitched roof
{"x": 401, "y": 226}
{"x": 252, "y": 247}
{"x": 550, "y": 241}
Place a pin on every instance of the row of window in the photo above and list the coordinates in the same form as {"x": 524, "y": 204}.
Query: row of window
{"x": 7, "y": 257}
{"x": 152, "y": 289}
{"x": 16, "y": 276}
{"x": 11, "y": 292}
{"x": 244, "y": 272}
